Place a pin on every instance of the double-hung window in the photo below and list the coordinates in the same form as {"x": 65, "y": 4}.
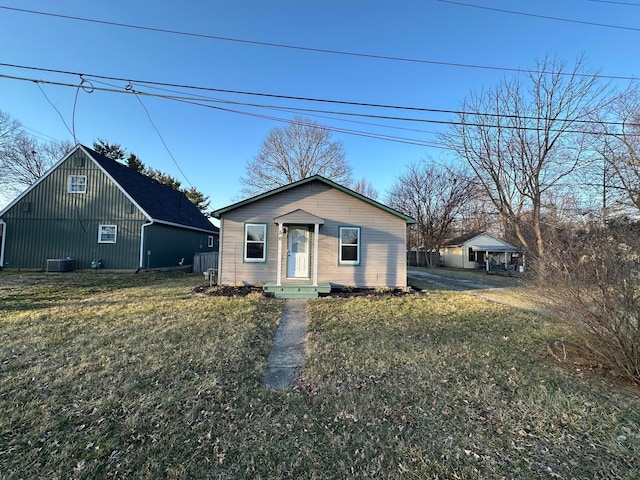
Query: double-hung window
{"x": 77, "y": 184}
{"x": 349, "y": 253}
{"x": 255, "y": 242}
{"x": 107, "y": 233}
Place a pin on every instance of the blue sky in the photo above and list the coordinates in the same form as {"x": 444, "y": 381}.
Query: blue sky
{"x": 209, "y": 147}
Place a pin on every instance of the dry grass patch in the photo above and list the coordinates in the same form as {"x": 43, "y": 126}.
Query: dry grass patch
{"x": 131, "y": 376}
{"x": 122, "y": 375}
{"x": 450, "y": 386}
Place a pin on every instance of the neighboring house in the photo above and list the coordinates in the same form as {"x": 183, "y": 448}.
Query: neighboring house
{"x": 101, "y": 213}
{"x": 480, "y": 250}
{"x": 305, "y": 237}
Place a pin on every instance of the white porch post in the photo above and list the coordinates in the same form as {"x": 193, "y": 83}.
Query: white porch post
{"x": 316, "y": 229}
{"x": 279, "y": 272}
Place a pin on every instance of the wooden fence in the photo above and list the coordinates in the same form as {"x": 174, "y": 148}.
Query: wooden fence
{"x": 420, "y": 258}
{"x": 204, "y": 261}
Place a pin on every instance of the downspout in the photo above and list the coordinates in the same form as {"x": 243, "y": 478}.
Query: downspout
{"x": 3, "y": 235}
{"x": 142, "y": 242}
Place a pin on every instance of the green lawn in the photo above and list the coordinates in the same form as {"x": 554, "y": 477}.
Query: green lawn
{"x": 133, "y": 376}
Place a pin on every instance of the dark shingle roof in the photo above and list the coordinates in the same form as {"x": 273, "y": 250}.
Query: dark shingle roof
{"x": 158, "y": 201}
{"x": 456, "y": 242}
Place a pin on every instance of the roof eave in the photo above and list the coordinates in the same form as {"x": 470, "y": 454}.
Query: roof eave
{"x": 331, "y": 183}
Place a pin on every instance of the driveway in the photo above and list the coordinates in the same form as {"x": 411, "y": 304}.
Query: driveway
{"x": 515, "y": 291}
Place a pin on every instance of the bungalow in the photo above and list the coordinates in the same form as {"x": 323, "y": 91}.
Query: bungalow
{"x": 480, "y": 250}
{"x": 89, "y": 211}
{"x": 303, "y": 238}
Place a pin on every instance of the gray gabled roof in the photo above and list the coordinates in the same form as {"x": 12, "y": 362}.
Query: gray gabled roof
{"x": 319, "y": 178}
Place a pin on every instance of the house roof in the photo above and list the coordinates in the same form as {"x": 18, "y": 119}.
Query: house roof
{"x": 318, "y": 178}
{"x": 159, "y": 202}
{"x": 299, "y": 216}
{"x": 462, "y": 239}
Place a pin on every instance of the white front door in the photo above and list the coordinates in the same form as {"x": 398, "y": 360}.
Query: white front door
{"x": 298, "y": 252}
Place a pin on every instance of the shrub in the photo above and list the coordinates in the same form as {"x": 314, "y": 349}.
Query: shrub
{"x": 593, "y": 280}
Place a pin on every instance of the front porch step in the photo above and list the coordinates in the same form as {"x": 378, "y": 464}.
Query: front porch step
{"x": 297, "y": 291}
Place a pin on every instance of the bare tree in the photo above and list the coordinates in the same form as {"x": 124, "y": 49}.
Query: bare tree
{"x": 619, "y": 146}
{"x": 10, "y": 128}
{"x": 523, "y": 137}
{"x": 25, "y": 160}
{"x": 434, "y": 195}
{"x": 363, "y": 187}
{"x": 302, "y": 149}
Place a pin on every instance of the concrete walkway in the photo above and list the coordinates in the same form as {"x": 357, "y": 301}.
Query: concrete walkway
{"x": 288, "y": 354}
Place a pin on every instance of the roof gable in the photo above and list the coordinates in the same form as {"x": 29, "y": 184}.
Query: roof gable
{"x": 326, "y": 181}
{"x": 468, "y": 237}
{"x": 158, "y": 202}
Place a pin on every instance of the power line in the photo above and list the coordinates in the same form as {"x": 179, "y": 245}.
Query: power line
{"x": 289, "y": 97}
{"x": 546, "y": 17}
{"x": 616, "y": 3}
{"x": 362, "y": 115}
{"x": 166, "y": 147}
{"x": 314, "y": 49}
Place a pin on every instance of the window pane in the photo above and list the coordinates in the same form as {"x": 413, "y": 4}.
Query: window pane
{"x": 77, "y": 183}
{"x": 349, "y": 254}
{"x": 255, "y": 233}
{"x": 349, "y": 236}
{"x": 107, "y": 233}
{"x": 255, "y": 250}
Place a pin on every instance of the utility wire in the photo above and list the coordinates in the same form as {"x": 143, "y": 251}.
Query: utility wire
{"x": 406, "y": 119}
{"x": 308, "y": 111}
{"x": 546, "y": 17}
{"x": 616, "y": 3}
{"x": 313, "y": 49}
{"x": 54, "y": 107}
{"x": 289, "y": 97}
{"x": 159, "y": 134}
{"x": 363, "y": 115}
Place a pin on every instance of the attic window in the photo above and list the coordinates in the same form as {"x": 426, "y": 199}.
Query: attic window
{"x": 77, "y": 184}
{"x": 107, "y": 233}
{"x": 210, "y": 241}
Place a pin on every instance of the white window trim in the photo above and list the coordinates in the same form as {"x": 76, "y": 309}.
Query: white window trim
{"x": 115, "y": 233}
{"x": 264, "y": 242}
{"x": 70, "y": 183}
{"x": 358, "y": 245}
{"x": 210, "y": 242}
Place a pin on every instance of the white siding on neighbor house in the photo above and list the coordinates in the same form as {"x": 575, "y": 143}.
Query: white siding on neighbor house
{"x": 458, "y": 257}
{"x": 382, "y": 249}
{"x": 453, "y": 257}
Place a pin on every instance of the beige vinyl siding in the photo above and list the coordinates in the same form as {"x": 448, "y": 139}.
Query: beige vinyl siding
{"x": 382, "y": 235}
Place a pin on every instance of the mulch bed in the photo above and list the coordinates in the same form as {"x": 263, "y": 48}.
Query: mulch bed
{"x": 243, "y": 291}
